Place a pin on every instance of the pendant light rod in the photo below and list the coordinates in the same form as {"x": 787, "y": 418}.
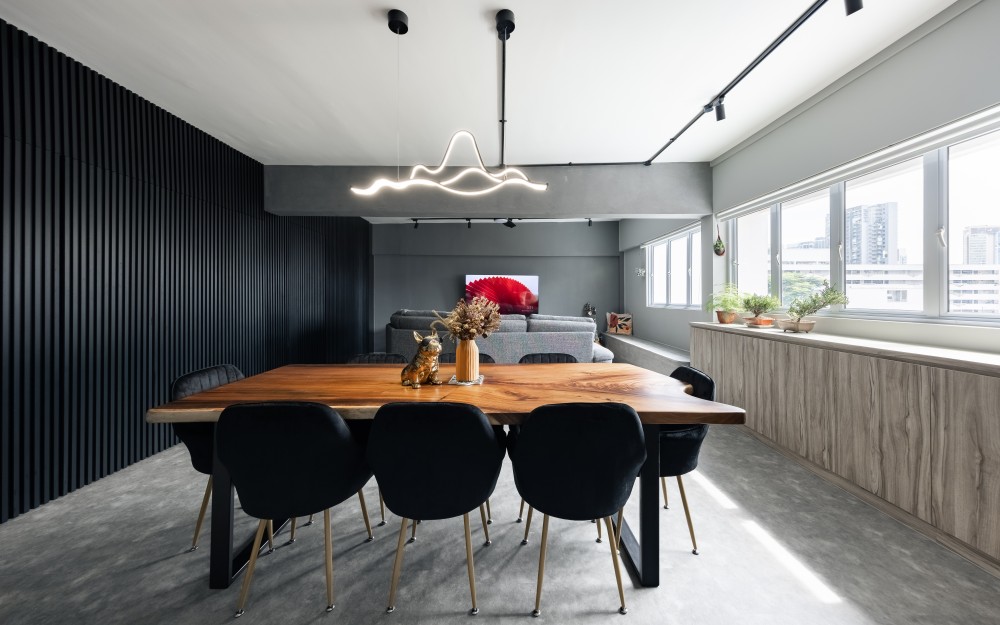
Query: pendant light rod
{"x": 716, "y": 100}
{"x": 505, "y": 26}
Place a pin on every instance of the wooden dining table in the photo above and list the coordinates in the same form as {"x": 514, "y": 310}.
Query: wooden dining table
{"x": 507, "y": 395}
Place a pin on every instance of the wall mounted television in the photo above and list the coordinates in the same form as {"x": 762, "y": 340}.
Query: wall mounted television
{"x": 514, "y": 294}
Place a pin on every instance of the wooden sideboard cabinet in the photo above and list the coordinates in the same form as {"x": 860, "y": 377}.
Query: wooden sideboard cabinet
{"x": 917, "y": 427}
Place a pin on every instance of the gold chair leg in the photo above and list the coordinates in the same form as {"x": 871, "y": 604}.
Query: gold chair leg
{"x": 270, "y": 536}
{"x": 396, "y": 567}
{"x": 618, "y": 528}
{"x": 489, "y": 513}
{"x": 381, "y": 507}
{"x": 598, "y": 521}
{"x": 486, "y": 529}
{"x": 520, "y": 513}
{"x": 245, "y": 590}
{"x": 291, "y": 533}
{"x": 663, "y": 485}
{"x": 618, "y": 571}
{"x": 413, "y": 533}
{"x": 201, "y": 513}
{"x": 541, "y": 564}
{"x": 310, "y": 521}
{"x": 687, "y": 513}
{"x": 364, "y": 514}
{"x": 468, "y": 560}
{"x": 527, "y": 526}
{"x": 328, "y": 553}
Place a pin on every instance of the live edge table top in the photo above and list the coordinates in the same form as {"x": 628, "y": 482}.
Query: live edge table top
{"x": 508, "y": 394}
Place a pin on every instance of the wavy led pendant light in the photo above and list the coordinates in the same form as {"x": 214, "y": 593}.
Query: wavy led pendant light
{"x": 483, "y": 181}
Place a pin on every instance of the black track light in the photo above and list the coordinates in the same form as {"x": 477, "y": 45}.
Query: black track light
{"x": 853, "y": 6}
{"x": 590, "y": 222}
{"x": 720, "y": 110}
{"x": 468, "y": 224}
{"x": 510, "y": 223}
{"x": 416, "y": 224}
{"x": 505, "y": 24}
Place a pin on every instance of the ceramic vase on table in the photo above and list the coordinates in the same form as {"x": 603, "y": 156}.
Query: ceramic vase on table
{"x": 467, "y": 361}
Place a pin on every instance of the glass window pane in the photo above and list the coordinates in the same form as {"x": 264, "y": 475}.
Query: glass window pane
{"x": 659, "y": 277}
{"x": 696, "y": 268}
{"x": 678, "y": 271}
{"x": 753, "y": 240}
{"x": 805, "y": 245}
{"x": 883, "y": 238}
{"x": 974, "y": 226}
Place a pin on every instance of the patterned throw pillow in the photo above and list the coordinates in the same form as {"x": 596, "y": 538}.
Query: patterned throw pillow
{"x": 620, "y": 323}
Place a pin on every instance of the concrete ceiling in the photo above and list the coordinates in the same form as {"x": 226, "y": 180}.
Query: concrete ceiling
{"x": 312, "y": 82}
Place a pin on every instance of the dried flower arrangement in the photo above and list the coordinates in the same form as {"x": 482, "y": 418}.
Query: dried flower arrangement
{"x": 470, "y": 319}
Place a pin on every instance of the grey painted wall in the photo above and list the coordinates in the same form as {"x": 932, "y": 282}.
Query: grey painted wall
{"x": 945, "y": 75}
{"x": 582, "y": 191}
{"x": 426, "y": 267}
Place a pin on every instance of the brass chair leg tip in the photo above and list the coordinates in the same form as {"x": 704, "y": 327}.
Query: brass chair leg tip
{"x": 330, "y": 607}
{"x": 411, "y": 541}
{"x": 290, "y": 541}
{"x": 518, "y": 520}
{"x": 536, "y": 613}
{"x": 524, "y": 542}
{"x": 270, "y": 551}
{"x": 390, "y": 609}
{"x": 623, "y": 610}
{"x": 307, "y": 524}
{"x": 489, "y": 521}
{"x": 694, "y": 551}
{"x": 193, "y": 548}
{"x": 487, "y": 543}
{"x": 369, "y": 539}
{"x": 666, "y": 507}
{"x": 597, "y": 540}
{"x": 382, "y": 524}
{"x": 473, "y": 611}
{"x": 238, "y": 614}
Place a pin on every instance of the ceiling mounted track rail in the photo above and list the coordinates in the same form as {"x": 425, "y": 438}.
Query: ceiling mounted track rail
{"x": 716, "y": 103}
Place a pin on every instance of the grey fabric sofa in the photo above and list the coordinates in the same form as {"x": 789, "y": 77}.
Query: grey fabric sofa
{"x": 518, "y": 335}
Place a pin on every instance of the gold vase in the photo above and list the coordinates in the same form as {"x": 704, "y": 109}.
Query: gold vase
{"x": 467, "y": 361}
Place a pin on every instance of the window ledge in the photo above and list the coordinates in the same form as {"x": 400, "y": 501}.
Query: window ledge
{"x": 960, "y": 360}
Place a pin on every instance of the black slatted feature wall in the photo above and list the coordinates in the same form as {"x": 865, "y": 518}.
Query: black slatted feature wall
{"x": 136, "y": 248}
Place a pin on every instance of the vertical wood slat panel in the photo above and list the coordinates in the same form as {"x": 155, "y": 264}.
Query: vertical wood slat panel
{"x": 136, "y": 248}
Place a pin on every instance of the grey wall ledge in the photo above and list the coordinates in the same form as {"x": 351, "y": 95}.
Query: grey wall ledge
{"x": 683, "y": 189}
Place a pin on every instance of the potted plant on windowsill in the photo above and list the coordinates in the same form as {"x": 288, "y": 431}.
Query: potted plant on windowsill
{"x": 725, "y": 302}
{"x": 759, "y": 305}
{"x": 803, "y": 307}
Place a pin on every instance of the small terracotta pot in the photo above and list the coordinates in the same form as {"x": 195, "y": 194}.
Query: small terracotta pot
{"x": 760, "y": 322}
{"x": 725, "y": 316}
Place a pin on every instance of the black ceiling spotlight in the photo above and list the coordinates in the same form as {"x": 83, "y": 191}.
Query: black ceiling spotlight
{"x": 720, "y": 110}
{"x": 399, "y": 23}
{"x": 590, "y": 222}
{"x": 468, "y": 224}
{"x": 853, "y": 6}
{"x": 510, "y": 223}
{"x": 416, "y": 224}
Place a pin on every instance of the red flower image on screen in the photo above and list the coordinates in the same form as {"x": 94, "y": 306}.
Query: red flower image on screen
{"x": 512, "y": 295}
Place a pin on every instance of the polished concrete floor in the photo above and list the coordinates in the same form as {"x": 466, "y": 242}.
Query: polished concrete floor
{"x": 778, "y": 545}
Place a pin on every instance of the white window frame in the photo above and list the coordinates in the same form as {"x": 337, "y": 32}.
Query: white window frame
{"x": 689, "y": 234}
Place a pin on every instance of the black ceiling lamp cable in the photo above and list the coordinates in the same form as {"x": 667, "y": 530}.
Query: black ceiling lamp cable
{"x": 399, "y": 23}
{"x": 715, "y": 103}
{"x": 505, "y": 26}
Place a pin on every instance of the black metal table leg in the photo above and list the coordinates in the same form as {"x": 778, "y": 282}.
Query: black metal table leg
{"x": 226, "y": 563}
{"x": 643, "y": 553}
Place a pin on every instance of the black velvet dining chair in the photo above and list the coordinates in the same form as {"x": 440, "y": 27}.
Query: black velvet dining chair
{"x": 303, "y": 438}
{"x": 547, "y": 358}
{"x": 199, "y": 437}
{"x": 434, "y": 460}
{"x": 591, "y": 478}
{"x": 680, "y": 445}
{"x": 377, "y": 358}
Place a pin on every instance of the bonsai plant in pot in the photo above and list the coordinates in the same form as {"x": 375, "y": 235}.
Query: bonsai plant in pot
{"x": 758, "y": 305}
{"x": 803, "y": 307}
{"x": 725, "y": 302}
